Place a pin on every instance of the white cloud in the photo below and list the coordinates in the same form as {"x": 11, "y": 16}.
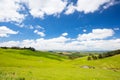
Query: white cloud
{"x": 111, "y": 3}
{"x": 95, "y": 42}
{"x": 39, "y": 27}
{"x": 20, "y": 24}
{"x": 64, "y": 34}
{"x": 9, "y": 11}
{"x": 60, "y": 39}
{"x": 42, "y": 34}
{"x": 84, "y": 30}
{"x": 10, "y": 43}
{"x": 96, "y": 34}
{"x": 39, "y": 8}
{"x": 5, "y": 31}
{"x": 70, "y": 9}
{"x": 62, "y": 43}
{"x": 88, "y": 6}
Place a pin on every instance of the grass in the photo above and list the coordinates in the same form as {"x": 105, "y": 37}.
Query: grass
{"x": 37, "y": 65}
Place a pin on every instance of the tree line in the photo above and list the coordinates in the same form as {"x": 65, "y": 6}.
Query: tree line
{"x": 103, "y": 55}
{"x": 27, "y": 48}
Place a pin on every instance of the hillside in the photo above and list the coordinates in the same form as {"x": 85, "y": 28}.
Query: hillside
{"x": 37, "y": 65}
{"x": 28, "y": 58}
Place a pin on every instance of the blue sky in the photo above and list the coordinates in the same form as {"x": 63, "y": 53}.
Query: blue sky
{"x": 80, "y": 25}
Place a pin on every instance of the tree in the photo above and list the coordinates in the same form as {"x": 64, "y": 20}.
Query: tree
{"x": 94, "y": 57}
{"x": 100, "y": 56}
{"x": 89, "y": 58}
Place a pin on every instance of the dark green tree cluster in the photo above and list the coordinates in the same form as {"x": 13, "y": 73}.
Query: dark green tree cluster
{"x": 103, "y": 55}
{"x": 92, "y": 57}
{"x": 108, "y": 54}
{"x": 28, "y": 48}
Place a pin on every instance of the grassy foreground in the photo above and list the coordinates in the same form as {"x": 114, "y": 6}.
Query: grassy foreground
{"x": 36, "y": 65}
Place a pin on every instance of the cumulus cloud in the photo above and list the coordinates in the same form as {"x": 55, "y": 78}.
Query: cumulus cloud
{"x": 84, "y": 30}
{"x": 64, "y": 43}
{"x": 9, "y": 11}
{"x": 39, "y": 8}
{"x": 96, "y": 34}
{"x": 70, "y": 9}
{"x": 42, "y": 34}
{"x": 64, "y": 34}
{"x": 10, "y": 43}
{"x": 61, "y": 43}
{"x": 5, "y": 31}
{"x": 88, "y": 6}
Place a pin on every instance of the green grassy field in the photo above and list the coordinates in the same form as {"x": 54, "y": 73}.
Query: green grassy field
{"x": 36, "y": 65}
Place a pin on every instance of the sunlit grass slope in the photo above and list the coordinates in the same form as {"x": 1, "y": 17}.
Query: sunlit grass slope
{"x": 37, "y": 65}
{"x": 109, "y": 62}
{"x": 27, "y": 58}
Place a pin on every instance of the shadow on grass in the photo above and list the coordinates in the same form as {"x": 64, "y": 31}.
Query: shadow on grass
{"x": 42, "y": 54}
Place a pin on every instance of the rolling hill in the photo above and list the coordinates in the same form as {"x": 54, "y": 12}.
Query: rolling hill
{"x": 18, "y": 64}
